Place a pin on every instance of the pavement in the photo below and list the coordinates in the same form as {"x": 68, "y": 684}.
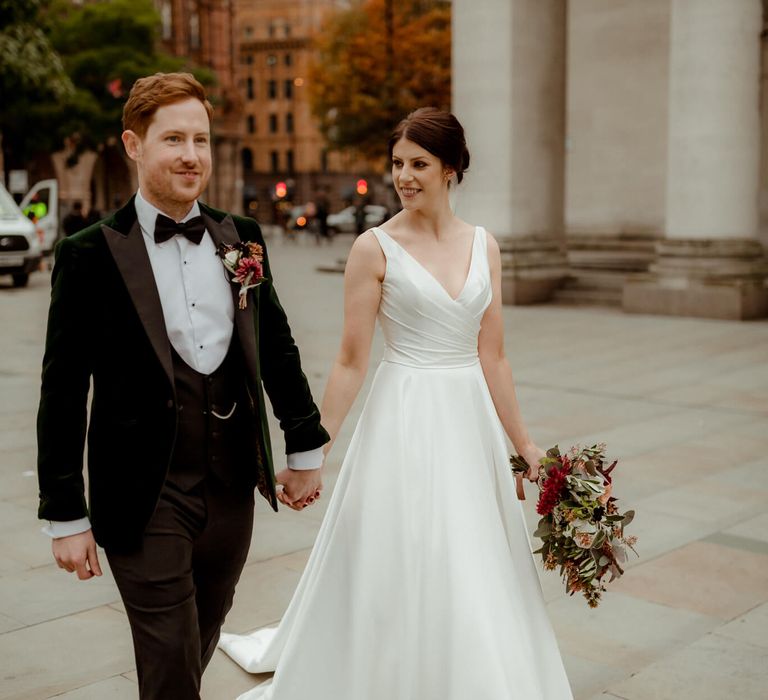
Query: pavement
{"x": 682, "y": 402}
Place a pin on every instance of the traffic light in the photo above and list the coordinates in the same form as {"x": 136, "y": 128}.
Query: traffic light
{"x": 362, "y": 187}
{"x": 281, "y": 189}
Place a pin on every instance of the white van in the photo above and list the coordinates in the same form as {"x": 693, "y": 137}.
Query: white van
{"x": 46, "y": 192}
{"x": 21, "y": 247}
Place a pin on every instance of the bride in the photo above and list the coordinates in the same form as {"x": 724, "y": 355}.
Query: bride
{"x": 421, "y": 584}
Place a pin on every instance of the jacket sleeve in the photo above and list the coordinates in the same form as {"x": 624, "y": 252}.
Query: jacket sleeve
{"x": 61, "y": 418}
{"x": 281, "y": 372}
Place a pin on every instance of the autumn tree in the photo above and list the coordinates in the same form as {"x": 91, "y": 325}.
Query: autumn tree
{"x": 375, "y": 63}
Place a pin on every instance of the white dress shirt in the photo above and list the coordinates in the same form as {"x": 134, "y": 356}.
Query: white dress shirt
{"x": 199, "y": 313}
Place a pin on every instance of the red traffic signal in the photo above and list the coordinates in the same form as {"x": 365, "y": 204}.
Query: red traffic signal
{"x": 362, "y": 187}
{"x": 281, "y": 189}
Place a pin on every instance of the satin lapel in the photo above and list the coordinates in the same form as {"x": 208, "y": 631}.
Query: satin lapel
{"x": 131, "y": 257}
{"x": 224, "y": 231}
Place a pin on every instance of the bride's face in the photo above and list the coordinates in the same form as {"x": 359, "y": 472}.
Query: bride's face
{"x": 420, "y": 179}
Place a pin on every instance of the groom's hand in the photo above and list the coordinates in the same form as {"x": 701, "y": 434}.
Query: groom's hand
{"x": 77, "y": 553}
{"x": 301, "y": 487}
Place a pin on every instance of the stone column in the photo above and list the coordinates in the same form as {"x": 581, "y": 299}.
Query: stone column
{"x": 509, "y": 93}
{"x": 711, "y": 263}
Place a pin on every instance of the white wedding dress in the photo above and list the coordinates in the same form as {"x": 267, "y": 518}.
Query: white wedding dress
{"x": 421, "y": 584}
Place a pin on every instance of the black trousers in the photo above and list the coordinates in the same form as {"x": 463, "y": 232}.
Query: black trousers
{"x": 178, "y": 587}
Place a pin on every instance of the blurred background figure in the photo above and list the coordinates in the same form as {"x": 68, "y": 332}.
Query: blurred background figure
{"x": 74, "y": 221}
{"x": 92, "y": 216}
{"x": 322, "y": 209}
{"x": 36, "y": 209}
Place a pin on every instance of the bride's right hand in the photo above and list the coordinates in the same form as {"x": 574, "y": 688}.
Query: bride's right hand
{"x": 532, "y": 455}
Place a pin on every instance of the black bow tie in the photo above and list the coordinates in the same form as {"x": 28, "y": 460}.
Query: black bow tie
{"x": 166, "y": 228}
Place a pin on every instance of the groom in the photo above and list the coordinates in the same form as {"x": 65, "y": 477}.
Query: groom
{"x": 143, "y": 308}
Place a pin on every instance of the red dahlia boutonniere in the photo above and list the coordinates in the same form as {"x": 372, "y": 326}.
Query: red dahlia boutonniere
{"x": 244, "y": 262}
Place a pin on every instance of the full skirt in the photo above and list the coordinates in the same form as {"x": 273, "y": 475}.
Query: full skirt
{"x": 421, "y": 584}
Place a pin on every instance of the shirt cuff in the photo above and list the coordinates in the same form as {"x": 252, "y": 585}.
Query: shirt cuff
{"x": 311, "y": 459}
{"x": 66, "y": 528}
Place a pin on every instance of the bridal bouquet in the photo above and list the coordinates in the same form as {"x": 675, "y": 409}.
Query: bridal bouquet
{"x": 581, "y": 527}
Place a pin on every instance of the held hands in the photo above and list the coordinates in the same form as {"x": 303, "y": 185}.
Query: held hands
{"x": 77, "y": 553}
{"x": 301, "y": 487}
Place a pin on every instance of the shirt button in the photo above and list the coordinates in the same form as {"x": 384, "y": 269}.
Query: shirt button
{"x": 193, "y": 304}
{"x": 201, "y": 347}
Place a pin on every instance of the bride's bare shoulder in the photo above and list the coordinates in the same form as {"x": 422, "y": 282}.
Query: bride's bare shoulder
{"x": 494, "y": 253}
{"x": 366, "y": 253}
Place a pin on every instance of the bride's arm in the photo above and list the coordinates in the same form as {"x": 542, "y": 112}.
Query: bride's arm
{"x": 363, "y": 276}
{"x": 498, "y": 373}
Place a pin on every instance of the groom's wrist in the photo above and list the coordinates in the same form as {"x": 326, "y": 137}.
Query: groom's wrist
{"x": 66, "y": 528}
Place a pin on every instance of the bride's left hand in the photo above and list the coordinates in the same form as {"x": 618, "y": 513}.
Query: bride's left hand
{"x": 532, "y": 455}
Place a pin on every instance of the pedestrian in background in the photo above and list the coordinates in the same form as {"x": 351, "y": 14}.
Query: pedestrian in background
{"x": 74, "y": 221}
{"x": 322, "y": 211}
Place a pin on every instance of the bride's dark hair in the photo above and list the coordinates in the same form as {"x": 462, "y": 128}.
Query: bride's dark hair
{"x": 438, "y": 132}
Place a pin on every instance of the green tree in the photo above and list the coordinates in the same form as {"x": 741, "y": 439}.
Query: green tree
{"x": 375, "y": 63}
{"x": 30, "y": 68}
{"x": 28, "y": 61}
{"x": 104, "y": 47}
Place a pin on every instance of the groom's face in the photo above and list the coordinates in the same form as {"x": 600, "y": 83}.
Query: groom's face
{"x": 174, "y": 156}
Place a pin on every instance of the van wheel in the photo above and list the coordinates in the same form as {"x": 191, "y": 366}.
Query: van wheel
{"x": 20, "y": 279}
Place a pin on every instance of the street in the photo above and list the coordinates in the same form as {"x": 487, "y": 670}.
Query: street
{"x": 683, "y": 404}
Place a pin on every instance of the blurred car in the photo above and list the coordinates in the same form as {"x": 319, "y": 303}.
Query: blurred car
{"x": 344, "y": 220}
{"x": 20, "y": 247}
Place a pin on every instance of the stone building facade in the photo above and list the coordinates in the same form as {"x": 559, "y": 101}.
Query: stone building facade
{"x": 281, "y": 142}
{"x": 620, "y": 149}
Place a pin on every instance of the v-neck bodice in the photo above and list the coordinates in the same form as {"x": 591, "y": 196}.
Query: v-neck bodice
{"x": 423, "y": 325}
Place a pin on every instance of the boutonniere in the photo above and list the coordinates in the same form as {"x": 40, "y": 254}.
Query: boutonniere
{"x": 244, "y": 263}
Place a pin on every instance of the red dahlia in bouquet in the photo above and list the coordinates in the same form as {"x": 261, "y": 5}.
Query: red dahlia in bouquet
{"x": 581, "y": 527}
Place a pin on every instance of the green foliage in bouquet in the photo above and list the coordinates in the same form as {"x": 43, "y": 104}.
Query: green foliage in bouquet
{"x": 581, "y": 527}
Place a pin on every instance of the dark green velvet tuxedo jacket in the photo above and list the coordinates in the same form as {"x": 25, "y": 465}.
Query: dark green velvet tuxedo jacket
{"x": 106, "y": 324}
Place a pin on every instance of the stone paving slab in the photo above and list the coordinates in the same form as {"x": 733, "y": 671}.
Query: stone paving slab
{"x": 64, "y": 654}
{"x": 712, "y": 668}
{"x": 115, "y": 688}
{"x": 682, "y": 402}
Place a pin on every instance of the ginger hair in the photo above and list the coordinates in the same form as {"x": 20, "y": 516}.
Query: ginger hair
{"x": 149, "y": 94}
